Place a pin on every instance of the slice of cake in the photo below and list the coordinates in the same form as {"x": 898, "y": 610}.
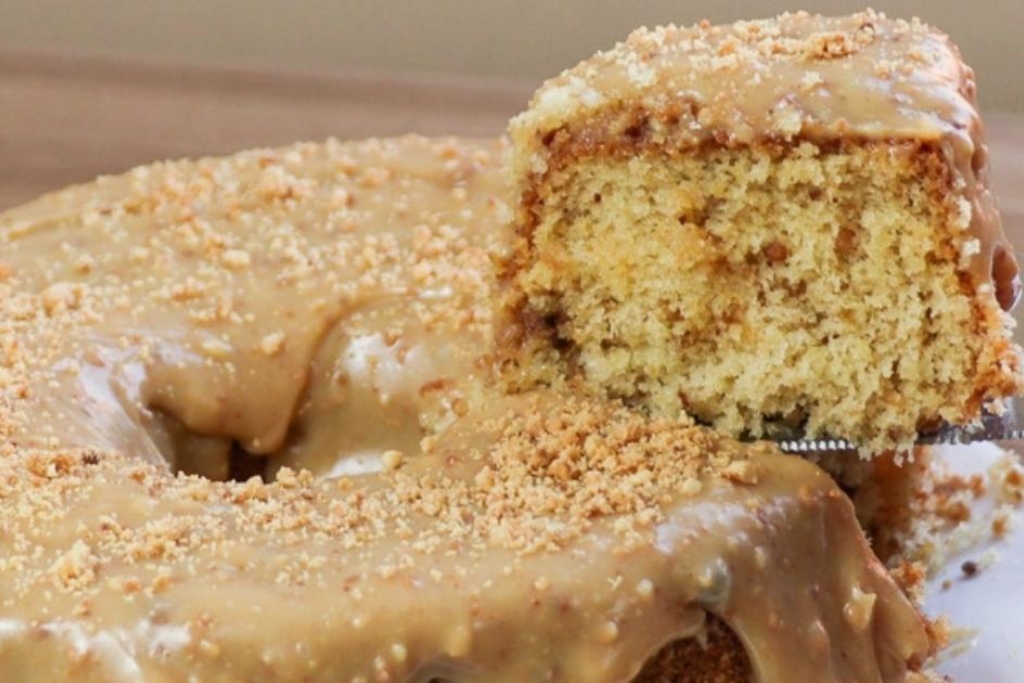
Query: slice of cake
{"x": 773, "y": 224}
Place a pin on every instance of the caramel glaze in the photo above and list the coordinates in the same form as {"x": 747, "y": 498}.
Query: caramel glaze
{"x": 798, "y": 77}
{"x": 327, "y": 306}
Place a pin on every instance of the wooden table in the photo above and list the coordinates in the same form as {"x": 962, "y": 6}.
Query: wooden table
{"x": 66, "y": 120}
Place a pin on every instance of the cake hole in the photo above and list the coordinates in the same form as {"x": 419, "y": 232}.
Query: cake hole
{"x": 212, "y": 457}
{"x": 234, "y": 463}
{"x": 243, "y": 466}
{"x": 720, "y": 657}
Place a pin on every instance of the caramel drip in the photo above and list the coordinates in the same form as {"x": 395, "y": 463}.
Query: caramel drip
{"x": 327, "y": 307}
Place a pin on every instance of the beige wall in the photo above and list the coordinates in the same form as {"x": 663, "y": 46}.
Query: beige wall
{"x": 517, "y": 38}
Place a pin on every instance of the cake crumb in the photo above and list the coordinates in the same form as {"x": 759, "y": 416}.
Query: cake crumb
{"x": 392, "y": 460}
{"x": 273, "y": 343}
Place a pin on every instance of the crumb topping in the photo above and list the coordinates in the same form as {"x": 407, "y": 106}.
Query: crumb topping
{"x": 212, "y": 263}
{"x": 538, "y": 481}
{"x": 753, "y": 67}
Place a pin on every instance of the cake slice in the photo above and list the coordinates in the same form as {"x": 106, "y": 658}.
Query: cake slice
{"x": 772, "y": 224}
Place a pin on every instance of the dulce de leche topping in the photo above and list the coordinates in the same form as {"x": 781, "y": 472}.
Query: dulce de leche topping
{"x": 327, "y": 307}
{"x": 859, "y": 78}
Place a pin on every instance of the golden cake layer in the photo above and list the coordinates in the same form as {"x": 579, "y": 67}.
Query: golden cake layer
{"x": 321, "y": 313}
{"x": 772, "y": 226}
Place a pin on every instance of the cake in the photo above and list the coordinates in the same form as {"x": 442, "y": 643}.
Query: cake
{"x": 776, "y": 227}
{"x": 390, "y": 410}
{"x": 248, "y": 431}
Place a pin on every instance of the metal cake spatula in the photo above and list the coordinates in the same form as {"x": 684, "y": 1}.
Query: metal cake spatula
{"x": 1005, "y": 427}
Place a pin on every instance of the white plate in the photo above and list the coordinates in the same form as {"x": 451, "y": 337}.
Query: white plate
{"x": 989, "y": 606}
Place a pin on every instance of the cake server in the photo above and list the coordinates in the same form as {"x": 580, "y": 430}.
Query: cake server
{"x": 1008, "y": 426}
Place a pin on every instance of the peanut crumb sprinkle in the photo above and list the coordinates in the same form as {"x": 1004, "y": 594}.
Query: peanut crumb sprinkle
{"x": 547, "y": 477}
{"x": 214, "y": 280}
{"x": 254, "y": 251}
{"x": 768, "y": 79}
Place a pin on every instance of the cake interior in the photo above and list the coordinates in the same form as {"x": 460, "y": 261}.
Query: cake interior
{"x": 755, "y": 287}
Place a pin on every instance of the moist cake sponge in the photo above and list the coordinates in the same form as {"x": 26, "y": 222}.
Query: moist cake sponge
{"x": 769, "y": 224}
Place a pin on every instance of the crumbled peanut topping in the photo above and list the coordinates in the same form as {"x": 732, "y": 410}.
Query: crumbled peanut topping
{"x": 548, "y": 475}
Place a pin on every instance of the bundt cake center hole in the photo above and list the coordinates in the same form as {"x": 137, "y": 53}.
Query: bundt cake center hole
{"x": 233, "y": 463}
{"x": 718, "y": 656}
{"x": 211, "y": 456}
{"x": 243, "y": 466}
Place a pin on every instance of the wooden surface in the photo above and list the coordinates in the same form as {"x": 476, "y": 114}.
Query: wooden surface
{"x": 66, "y": 120}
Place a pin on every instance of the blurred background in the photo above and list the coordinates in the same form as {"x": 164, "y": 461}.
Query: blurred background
{"x": 521, "y": 39}
{"x": 96, "y": 86}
